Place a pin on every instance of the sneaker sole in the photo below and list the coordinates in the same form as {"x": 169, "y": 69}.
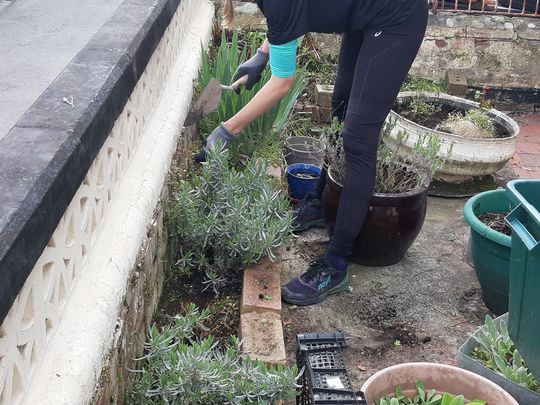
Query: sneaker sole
{"x": 319, "y": 223}
{"x": 337, "y": 289}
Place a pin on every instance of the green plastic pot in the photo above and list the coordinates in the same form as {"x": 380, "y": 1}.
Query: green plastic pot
{"x": 489, "y": 249}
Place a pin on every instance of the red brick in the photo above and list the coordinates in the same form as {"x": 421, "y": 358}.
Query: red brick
{"x": 262, "y": 337}
{"x": 261, "y": 290}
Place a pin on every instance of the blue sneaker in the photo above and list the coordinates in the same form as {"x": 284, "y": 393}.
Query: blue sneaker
{"x": 308, "y": 214}
{"x": 319, "y": 281}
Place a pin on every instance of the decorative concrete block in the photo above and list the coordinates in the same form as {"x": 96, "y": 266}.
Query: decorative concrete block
{"x": 261, "y": 290}
{"x": 323, "y": 95}
{"x": 457, "y": 82}
{"x": 262, "y": 337}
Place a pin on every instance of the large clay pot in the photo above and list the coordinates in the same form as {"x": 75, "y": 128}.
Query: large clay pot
{"x": 441, "y": 377}
{"x": 391, "y": 226}
{"x": 470, "y": 157}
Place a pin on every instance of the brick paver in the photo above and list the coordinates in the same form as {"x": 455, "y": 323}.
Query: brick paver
{"x": 526, "y": 161}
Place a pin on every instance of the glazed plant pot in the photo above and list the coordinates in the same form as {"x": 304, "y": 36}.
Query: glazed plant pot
{"x": 523, "y": 395}
{"x": 490, "y": 249}
{"x": 441, "y": 377}
{"x": 304, "y": 149}
{"x": 391, "y": 226}
{"x": 470, "y": 157}
{"x": 302, "y": 178}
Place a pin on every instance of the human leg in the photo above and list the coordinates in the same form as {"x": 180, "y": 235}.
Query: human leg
{"x": 309, "y": 212}
{"x": 382, "y": 64}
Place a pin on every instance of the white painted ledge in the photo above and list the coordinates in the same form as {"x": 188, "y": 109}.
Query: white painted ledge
{"x": 72, "y": 363}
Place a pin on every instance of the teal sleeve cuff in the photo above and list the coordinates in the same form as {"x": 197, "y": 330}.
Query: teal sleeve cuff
{"x": 283, "y": 59}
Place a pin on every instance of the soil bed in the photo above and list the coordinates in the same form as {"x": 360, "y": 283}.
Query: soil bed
{"x": 181, "y": 290}
{"x": 496, "y": 222}
{"x": 433, "y": 119}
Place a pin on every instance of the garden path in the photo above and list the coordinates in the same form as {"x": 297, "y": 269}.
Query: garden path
{"x": 526, "y": 161}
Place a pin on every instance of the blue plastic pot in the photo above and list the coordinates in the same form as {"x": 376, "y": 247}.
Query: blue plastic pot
{"x": 302, "y": 179}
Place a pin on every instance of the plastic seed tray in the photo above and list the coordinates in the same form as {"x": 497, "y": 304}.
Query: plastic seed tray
{"x": 325, "y": 380}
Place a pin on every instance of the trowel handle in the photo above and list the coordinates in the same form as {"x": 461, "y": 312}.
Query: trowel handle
{"x": 239, "y": 83}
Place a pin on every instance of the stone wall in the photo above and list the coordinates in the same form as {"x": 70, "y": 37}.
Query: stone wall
{"x": 490, "y": 49}
{"x": 495, "y": 50}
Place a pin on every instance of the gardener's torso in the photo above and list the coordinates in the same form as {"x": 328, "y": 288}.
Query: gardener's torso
{"x": 290, "y": 19}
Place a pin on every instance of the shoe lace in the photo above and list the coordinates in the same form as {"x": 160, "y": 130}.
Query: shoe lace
{"x": 314, "y": 272}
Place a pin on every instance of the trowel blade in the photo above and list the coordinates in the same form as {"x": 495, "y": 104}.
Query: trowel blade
{"x": 206, "y": 104}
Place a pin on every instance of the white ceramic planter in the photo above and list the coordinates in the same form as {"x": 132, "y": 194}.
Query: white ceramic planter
{"x": 471, "y": 157}
{"x": 440, "y": 377}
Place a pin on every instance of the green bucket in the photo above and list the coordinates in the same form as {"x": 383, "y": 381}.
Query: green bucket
{"x": 489, "y": 249}
{"x": 524, "y": 304}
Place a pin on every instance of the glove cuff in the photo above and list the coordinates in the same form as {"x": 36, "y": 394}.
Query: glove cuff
{"x": 228, "y": 136}
{"x": 263, "y": 55}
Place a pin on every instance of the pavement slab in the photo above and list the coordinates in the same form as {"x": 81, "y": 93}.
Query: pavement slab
{"x": 526, "y": 162}
{"x": 420, "y": 309}
{"x": 39, "y": 38}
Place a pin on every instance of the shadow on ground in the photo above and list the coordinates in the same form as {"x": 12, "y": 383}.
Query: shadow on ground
{"x": 420, "y": 309}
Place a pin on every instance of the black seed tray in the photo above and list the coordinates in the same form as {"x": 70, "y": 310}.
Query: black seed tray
{"x": 320, "y": 356}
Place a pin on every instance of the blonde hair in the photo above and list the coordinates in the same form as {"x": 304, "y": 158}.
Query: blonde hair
{"x": 228, "y": 14}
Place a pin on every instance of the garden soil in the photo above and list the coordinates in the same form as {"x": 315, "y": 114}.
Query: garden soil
{"x": 420, "y": 309}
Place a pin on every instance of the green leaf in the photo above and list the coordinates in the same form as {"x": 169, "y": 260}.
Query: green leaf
{"x": 446, "y": 399}
{"x": 394, "y": 401}
{"x": 459, "y": 400}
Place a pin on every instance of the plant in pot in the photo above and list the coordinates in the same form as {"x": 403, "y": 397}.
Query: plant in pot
{"x": 483, "y": 139}
{"x": 430, "y": 384}
{"x": 489, "y": 245}
{"x": 398, "y": 206}
{"x": 491, "y": 353}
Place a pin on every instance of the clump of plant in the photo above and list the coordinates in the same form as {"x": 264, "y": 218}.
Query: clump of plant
{"x": 180, "y": 369}
{"x": 417, "y": 84}
{"x": 425, "y": 397}
{"x": 221, "y": 64}
{"x": 497, "y": 352}
{"x": 474, "y": 123}
{"x": 393, "y": 173}
{"x": 422, "y": 109}
{"x": 225, "y": 218}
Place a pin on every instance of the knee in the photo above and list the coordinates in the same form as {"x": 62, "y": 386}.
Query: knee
{"x": 359, "y": 146}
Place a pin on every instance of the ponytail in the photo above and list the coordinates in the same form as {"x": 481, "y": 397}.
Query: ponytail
{"x": 228, "y": 14}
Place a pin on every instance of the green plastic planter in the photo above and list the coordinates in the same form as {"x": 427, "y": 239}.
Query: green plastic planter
{"x": 489, "y": 249}
{"x": 524, "y": 306}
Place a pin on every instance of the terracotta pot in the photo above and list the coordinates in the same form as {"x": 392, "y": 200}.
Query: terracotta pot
{"x": 391, "y": 226}
{"x": 440, "y": 377}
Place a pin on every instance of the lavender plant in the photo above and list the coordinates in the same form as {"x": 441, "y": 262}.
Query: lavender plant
{"x": 180, "y": 369}
{"x": 225, "y": 219}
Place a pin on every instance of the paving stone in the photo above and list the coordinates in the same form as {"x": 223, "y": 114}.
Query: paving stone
{"x": 261, "y": 290}
{"x": 262, "y": 337}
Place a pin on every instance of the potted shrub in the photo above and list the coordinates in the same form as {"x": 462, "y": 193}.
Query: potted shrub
{"x": 441, "y": 378}
{"x": 491, "y": 353}
{"x": 483, "y": 139}
{"x": 489, "y": 246}
{"x": 398, "y": 206}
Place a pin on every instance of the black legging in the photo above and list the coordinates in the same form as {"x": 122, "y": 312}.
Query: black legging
{"x": 373, "y": 64}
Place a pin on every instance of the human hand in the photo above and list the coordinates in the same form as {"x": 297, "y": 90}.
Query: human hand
{"x": 219, "y": 135}
{"x": 253, "y": 68}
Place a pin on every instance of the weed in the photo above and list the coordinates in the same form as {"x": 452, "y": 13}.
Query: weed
{"x": 417, "y": 84}
{"x": 474, "y": 123}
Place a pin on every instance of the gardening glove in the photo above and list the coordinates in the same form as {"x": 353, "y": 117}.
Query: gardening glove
{"x": 253, "y": 68}
{"x": 219, "y": 135}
